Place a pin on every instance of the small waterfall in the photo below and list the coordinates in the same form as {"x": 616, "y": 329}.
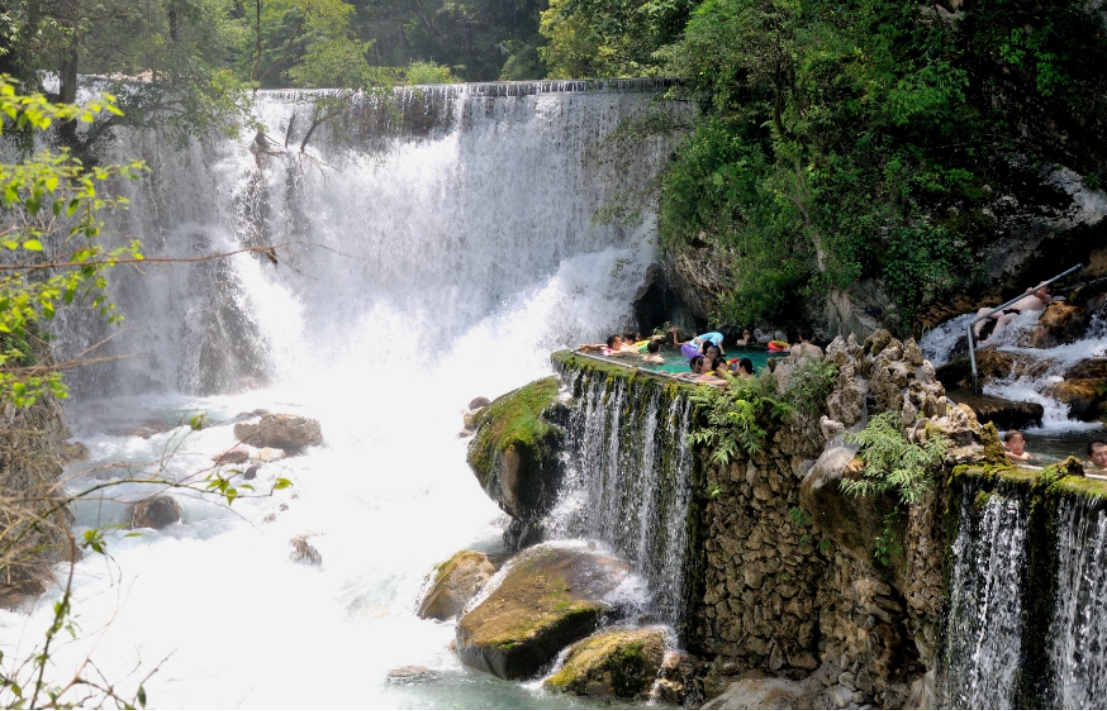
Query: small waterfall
{"x": 984, "y": 627}
{"x": 628, "y": 479}
{"x": 1078, "y": 632}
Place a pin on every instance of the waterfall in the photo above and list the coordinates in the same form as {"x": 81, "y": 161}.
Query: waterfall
{"x": 628, "y": 479}
{"x": 409, "y": 221}
{"x": 433, "y": 245}
{"x": 1078, "y": 633}
{"x": 984, "y": 625}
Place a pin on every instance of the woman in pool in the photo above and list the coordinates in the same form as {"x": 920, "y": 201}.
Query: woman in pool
{"x": 743, "y": 367}
{"x": 696, "y": 346}
{"x": 747, "y": 338}
{"x": 702, "y": 372}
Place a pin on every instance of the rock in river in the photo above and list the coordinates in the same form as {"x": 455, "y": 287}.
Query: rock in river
{"x": 156, "y": 512}
{"x": 549, "y": 597}
{"x": 620, "y": 663}
{"x": 287, "y": 432}
{"x": 454, "y": 583}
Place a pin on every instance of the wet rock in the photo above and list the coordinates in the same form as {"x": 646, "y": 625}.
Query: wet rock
{"x": 234, "y": 455}
{"x": 479, "y": 402}
{"x": 453, "y": 583}
{"x": 287, "y": 432}
{"x": 463, "y": 434}
{"x": 269, "y": 454}
{"x": 72, "y": 452}
{"x": 991, "y": 365}
{"x": 514, "y": 452}
{"x": 1090, "y": 368}
{"x": 761, "y": 693}
{"x": 469, "y": 419}
{"x": 1084, "y": 396}
{"x": 549, "y": 598}
{"x": 1005, "y": 414}
{"x": 840, "y": 696}
{"x": 251, "y": 473}
{"x": 156, "y": 512}
{"x": 147, "y": 429}
{"x": 303, "y": 552}
{"x": 850, "y": 521}
{"x": 621, "y": 663}
{"x": 679, "y": 680}
{"x": 411, "y": 675}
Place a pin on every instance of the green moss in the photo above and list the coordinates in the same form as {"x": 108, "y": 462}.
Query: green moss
{"x": 622, "y": 663}
{"x": 511, "y": 420}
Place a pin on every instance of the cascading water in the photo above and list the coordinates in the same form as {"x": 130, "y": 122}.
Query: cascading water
{"x": 1078, "y": 652}
{"x": 628, "y": 480}
{"x": 984, "y": 624}
{"x": 946, "y": 342}
{"x": 429, "y": 252}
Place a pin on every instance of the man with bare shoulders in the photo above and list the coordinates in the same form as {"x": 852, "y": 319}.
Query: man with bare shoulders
{"x": 1097, "y": 454}
{"x": 1036, "y": 299}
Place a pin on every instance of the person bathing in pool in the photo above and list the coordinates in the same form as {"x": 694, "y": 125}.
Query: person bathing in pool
{"x": 1015, "y": 444}
{"x": 742, "y": 368}
{"x": 653, "y": 353}
{"x": 697, "y": 346}
{"x": 703, "y": 371}
{"x": 613, "y": 347}
{"x": 1036, "y": 300}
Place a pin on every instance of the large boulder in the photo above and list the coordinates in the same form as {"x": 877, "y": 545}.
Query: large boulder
{"x": 156, "y": 512}
{"x": 287, "y": 432}
{"x": 991, "y": 365}
{"x": 453, "y": 583}
{"x": 550, "y": 597}
{"x": 1085, "y": 397}
{"x": 621, "y": 663}
{"x": 1005, "y": 414}
{"x": 514, "y": 455}
{"x": 853, "y": 522}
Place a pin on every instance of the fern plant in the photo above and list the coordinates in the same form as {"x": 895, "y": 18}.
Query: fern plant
{"x": 735, "y": 418}
{"x": 891, "y": 462}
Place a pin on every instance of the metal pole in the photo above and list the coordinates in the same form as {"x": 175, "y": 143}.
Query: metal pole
{"x": 972, "y": 351}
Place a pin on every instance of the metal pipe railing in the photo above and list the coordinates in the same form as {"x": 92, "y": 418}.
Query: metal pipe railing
{"x": 978, "y": 319}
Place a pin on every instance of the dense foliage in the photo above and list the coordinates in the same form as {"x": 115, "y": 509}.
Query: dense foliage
{"x": 838, "y": 141}
{"x": 892, "y": 464}
{"x": 849, "y": 139}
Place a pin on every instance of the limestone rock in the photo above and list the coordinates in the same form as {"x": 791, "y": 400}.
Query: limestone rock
{"x": 550, "y": 597}
{"x": 851, "y": 522}
{"x": 269, "y": 454}
{"x": 411, "y": 675}
{"x": 761, "y": 693}
{"x": 287, "y": 432}
{"x": 1006, "y": 414}
{"x": 1085, "y": 397}
{"x": 620, "y": 663}
{"x": 234, "y": 455}
{"x": 303, "y": 552}
{"x": 479, "y": 402}
{"x": 514, "y": 452}
{"x": 72, "y": 451}
{"x": 156, "y": 512}
{"x": 454, "y": 582}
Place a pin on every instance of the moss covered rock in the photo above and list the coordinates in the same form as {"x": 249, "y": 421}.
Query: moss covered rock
{"x": 622, "y": 663}
{"x": 514, "y": 452}
{"x": 549, "y": 597}
{"x": 454, "y": 582}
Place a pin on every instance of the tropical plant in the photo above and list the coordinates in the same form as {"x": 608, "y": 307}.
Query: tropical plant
{"x": 892, "y": 464}
{"x": 736, "y": 419}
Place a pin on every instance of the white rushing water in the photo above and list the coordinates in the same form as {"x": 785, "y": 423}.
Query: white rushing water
{"x": 984, "y": 623}
{"x": 427, "y": 256}
{"x": 947, "y": 342}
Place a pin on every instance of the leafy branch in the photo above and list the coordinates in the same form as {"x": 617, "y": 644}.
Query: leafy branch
{"x": 891, "y": 462}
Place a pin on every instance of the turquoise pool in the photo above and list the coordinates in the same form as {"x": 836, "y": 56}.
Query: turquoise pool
{"x": 675, "y": 362}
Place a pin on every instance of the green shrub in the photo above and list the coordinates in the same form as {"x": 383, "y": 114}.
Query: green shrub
{"x": 892, "y": 464}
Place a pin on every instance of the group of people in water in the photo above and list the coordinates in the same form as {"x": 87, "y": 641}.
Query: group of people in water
{"x": 1015, "y": 443}
{"x": 707, "y": 360}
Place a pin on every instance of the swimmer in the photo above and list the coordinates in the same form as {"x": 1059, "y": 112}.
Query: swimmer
{"x": 806, "y": 347}
{"x": 743, "y": 368}
{"x": 1016, "y": 447}
{"x": 613, "y": 347}
{"x": 1036, "y": 300}
{"x": 746, "y": 339}
{"x": 697, "y": 345}
{"x": 653, "y": 353}
{"x": 1097, "y": 454}
{"x": 702, "y": 371}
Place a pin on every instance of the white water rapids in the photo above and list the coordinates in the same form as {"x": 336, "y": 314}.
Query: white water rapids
{"x": 426, "y": 264}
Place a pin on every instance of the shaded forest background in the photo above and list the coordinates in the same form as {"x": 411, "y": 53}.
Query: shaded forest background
{"x": 838, "y": 142}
